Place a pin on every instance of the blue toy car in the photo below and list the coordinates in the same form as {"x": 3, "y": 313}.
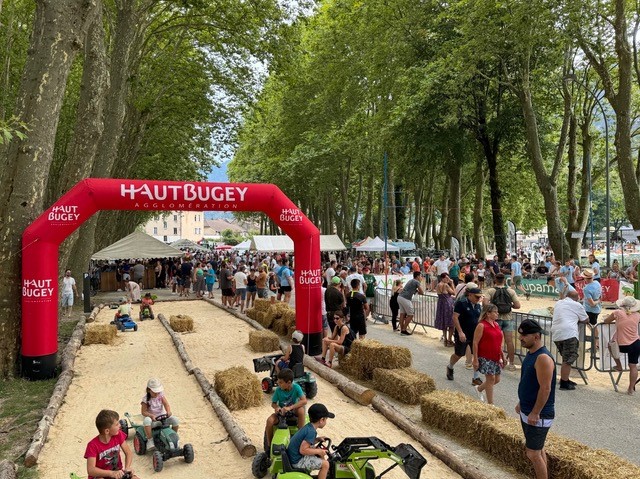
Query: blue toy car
{"x": 124, "y": 323}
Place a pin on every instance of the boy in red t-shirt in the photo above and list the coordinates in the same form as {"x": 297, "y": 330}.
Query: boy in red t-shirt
{"x": 147, "y": 301}
{"x": 103, "y": 451}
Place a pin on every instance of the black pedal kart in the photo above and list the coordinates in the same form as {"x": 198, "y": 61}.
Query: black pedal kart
{"x": 304, "y": 379}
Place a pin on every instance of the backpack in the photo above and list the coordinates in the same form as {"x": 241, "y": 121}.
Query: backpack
{"x": 502, "y": 299}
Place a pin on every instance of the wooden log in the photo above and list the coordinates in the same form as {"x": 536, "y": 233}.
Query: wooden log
{"x": 355, "y": 391}
{"x": 42, "y": 431}
{"x": 456, "y": 464}
{"x": 8, "y": 470}
{"x": 177, "y": 341}
{"x": 94, "y": 313}
{"x": 73, "y": 346}
{"x": 236, "y": 433}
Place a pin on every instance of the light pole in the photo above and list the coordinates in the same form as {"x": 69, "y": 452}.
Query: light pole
{"x": 573, "y": 78}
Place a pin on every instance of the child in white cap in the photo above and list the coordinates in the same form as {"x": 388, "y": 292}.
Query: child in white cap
{"x": 294, "y": 354}
{"x": 154, "y": 403}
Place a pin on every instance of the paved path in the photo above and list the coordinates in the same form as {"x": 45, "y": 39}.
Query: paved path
{"x": 598, "y": 417}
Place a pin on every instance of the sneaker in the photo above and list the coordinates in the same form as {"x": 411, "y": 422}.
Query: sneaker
{"x": 405, "y": 333}
{"x": 571, "y": 382}
{"x": 527, "y": 295}
{"x": 481, "y": 394}
{"x": 567, "y": 386}
{"x": 511, "y": 367}
{"x": 150, "y": 444}
{"x": 476, "y": 381}
{"x": 449, "y": 373}
{"x": 468, "y": 365}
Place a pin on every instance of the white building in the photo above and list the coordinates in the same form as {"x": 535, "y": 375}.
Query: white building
{"x": 174, "y": 225}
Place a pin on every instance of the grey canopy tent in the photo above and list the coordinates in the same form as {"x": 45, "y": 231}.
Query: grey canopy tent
{"x": 183, "y": 244}
{"x": 137, "y": 245}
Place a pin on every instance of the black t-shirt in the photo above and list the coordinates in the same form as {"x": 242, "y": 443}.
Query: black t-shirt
{"x": 542, "y": 269}
{"x": 185, "y": 269}
{"x": 333, "y": 299}
{"x": 356, "y": 302}
{"x": 468, "y": 316}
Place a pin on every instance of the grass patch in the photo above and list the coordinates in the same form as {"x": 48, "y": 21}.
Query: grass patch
{"x": 22, "y": 403}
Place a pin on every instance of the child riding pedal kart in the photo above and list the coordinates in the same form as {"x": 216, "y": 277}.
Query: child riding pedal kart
{"x": 122, "y": 318}
{"x": 145, "y": 308}
{"x": 291, "y": 360}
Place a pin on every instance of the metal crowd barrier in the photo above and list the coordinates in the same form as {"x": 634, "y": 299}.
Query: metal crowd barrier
{"x": 588, "y": 355}
{"x": 602, "y": 359}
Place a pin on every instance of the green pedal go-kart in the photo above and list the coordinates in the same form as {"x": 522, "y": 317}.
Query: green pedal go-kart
{"x": 165, "y": 439}
{"x": 352, "y": 460}
{"x": 268, "y": 462}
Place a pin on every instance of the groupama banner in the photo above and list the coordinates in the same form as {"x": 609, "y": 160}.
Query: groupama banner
{"x": 41, "y": 240}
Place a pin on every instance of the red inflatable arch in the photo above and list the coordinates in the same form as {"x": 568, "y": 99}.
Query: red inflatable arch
{"x": 42, "y": 238}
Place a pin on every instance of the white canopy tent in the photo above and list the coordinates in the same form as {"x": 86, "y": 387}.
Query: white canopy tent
{"x": 244, "y": 246}
{"x": 284, "y": 244}
{"x": 377, "y": 244}
{"x": 137, "y": 245}
{"x": 187, "y": 244}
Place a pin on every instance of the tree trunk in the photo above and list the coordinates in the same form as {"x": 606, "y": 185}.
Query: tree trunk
{"x": 114, "y": 114}
{"x": 478, "y": 222}
{"x": 89, "y": 119}
{"x": 391, "y": 205}
{"x": 368, "y": 213}
{"x": 455, "y": 223}
{"x": 444, "y": 220}
{"x": 547, "y": 184}
{"x": 59, "y": 31}
{"x": 418, "y": 194}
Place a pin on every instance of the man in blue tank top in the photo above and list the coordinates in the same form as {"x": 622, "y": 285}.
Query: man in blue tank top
{"x": 536, "y": 394}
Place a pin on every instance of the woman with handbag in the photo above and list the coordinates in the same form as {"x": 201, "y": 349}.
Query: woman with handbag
{"x": 627, "y": 319}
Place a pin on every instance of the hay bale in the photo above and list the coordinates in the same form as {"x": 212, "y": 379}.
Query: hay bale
{"x": 251, "y": 313}
{"x": 100, "y": 334}
{"x": 264, "y": 341}
{"x": 280, "y": 327}
{"x": 368, "y": 354}
{"x": 277, "y": 310}
{"x": 263, "y": 319}
{"x": 503, "y": 438}
{"x": 406, "y": 385}
{"x": 458, "y": 414}
{"x": 262, "y": 304}
{"x": 238, "y": 388}
{"x": 181, "y": 323}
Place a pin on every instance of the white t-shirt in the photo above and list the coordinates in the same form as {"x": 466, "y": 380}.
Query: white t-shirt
{"x": 356, "y": 276}
{"x": 329, "y": 273}
{"x": 566, "y": 315}
{"x": 67, "y": 285}
{"x": 240, "y": 279}
{"x": 442, "y": 266}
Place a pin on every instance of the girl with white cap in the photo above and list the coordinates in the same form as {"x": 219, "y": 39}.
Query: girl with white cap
{"x": 154, "y": 403}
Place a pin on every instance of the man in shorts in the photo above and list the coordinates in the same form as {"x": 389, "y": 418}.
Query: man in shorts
{"x": 358, "y": 309}
{"x": 567, "y": 313}
{"x": 226, "y": 285}
{"x": 67, "y": 290}
{"x": 466, "y": 313}
{"x": 516, "y": 276}
{"x": 412, "y": 287}
{"x": 536, "y": 394}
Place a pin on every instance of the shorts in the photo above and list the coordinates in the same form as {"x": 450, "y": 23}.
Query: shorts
{"x": 632, "y": 350}
{"x": 171, "y": 421}
{"x": 325, "y": 322}
{"x": 358, "y": 325}
{"x": 252, "y": 289}
{"x": 534, "y": 436}
{"x": 460, "y": 348}
{"x": 517, "y": 281}
{"x": 309, "y": 463}
{"x": 568, "y": 349}
{"x": 284, "y": 289}
{"x": 242, "y": 292}
{"x": 488, "y": 366}
{"x": 227, "y": 292}
{"x": 67, "y": 300}
{"x": 593, "y": 318}
{"x": 263, "y": 293}
{"x": 210, "y": 287}
{"x": 179, "y": 281}
{"x": 507, "y": 325}
{"x": 187, "y": 283}
{"x": 406, "y": 306}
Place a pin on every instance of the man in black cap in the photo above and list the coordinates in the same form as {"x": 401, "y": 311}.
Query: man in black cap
{"x": 536, "y": 394}
{"x": 466, "y": 313}
{"x": 301, "y": 452}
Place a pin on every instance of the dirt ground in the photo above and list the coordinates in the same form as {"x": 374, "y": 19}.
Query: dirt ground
{"x": 115, "y": 377}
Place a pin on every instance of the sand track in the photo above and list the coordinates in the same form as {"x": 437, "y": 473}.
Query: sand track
{"x": 114, "y": 377}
